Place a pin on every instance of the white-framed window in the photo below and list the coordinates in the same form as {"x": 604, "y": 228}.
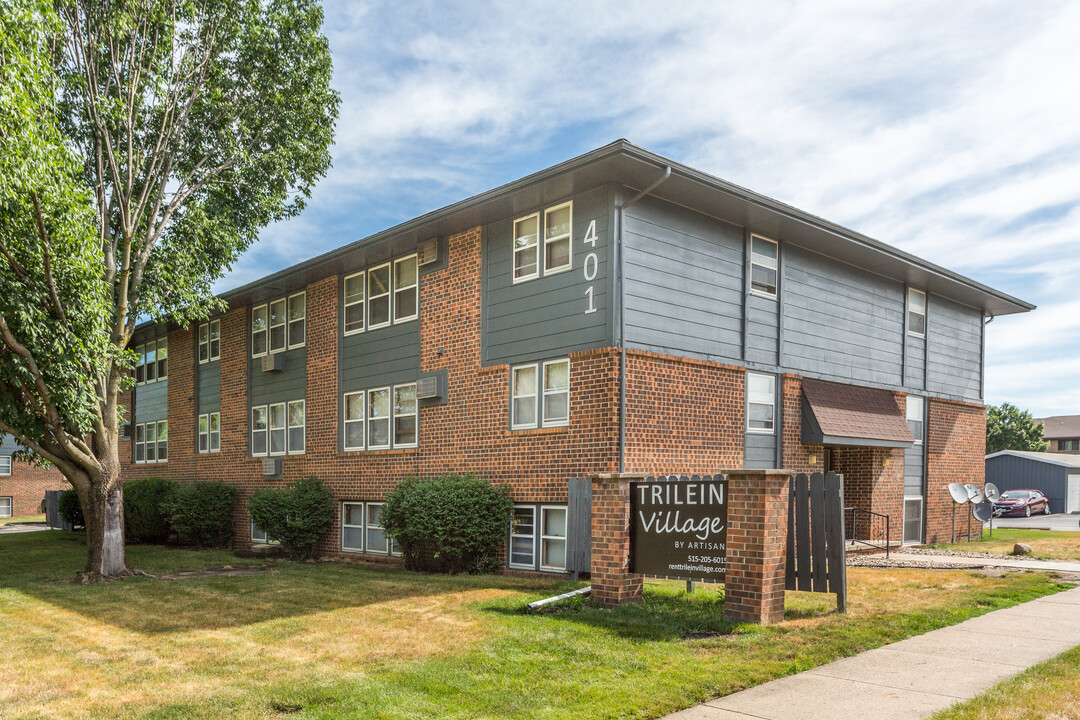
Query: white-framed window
{"x": 540, "y": 394}
{"x": 523, "y": 537}
{"x": 5, "y": 506}
{"x": 278, "y": 330}
{"x": 204, "y": 343}
{"x": 760, "y": 403}
{"x": 405, "y": 415}
{"x": 374, "y": 533}
{"x": 914, "y": 410}
{"x": 764, "y": 254}
{"x": 140, "y": 364}
{"x": 353, "y": 407}
{"x": 210, "y": 433}
{"x": 523, "y": 397}
{"x": 215, "y": 340}
{"x": 352, "y": 526}
{"x": 916, "y": 312}
{"x": 151, "y": 442}
{"x": 5, "y": 465}
{"x": 259, "y": 429}
{"x": 406, "y": 289}
{"x": 163, "y": 359}
{"x": 258, "y": 331}
{"x": 278, "y": 430}
{"x": 354, "y": 303}
{"x": 163, "y": 441}
{"x": 558, "y": 222}
{"x": 527, "y": 248}
{"x": 258, "y": 535}
{"x": 913, "y": 513}
{"x": 378, "y": 419}
{"x": 297, "y": 319}
{"x": 556, "y": 393}
{"x": 151, "y": 362}
{"x": 140, "y": 444}
{"x": 553, "y": 537}
{"x": 378, "y": 314}
{"x": 297, "y": 427}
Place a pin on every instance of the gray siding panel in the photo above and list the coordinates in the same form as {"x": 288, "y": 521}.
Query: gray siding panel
{"x": 271, "y": 387}
{"x": 954, "y": 349}
{"x": 841, "y": 322}
{"x": 915, "y": 362}
{"x": 546, "y": 316}
{"x": 1010, "y": 472}
{"x": 760, "y": 451}
{"x": 152, "y": 402}
{"x": 209, "y": 388}
{"x": 684, "y": 279}
{"x": 8, "y": 445}
{"x": 380, "y": 357}
{"x": 761, "y": 329}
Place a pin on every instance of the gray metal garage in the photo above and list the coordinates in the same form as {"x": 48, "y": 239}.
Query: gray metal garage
{"x": 1057, "y": 475}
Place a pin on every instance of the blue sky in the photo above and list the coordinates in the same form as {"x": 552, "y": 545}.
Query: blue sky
{"x": 948, "y": 129}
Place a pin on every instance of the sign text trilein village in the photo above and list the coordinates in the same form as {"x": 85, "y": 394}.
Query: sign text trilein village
{"x": 679, "y": 527}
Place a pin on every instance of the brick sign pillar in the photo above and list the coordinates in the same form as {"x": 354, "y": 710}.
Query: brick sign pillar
{"x": 611, "y": 583}
{"x": 756, "y": 545}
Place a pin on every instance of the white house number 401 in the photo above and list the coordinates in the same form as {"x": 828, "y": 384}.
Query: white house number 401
{"x": 589, "y": 268}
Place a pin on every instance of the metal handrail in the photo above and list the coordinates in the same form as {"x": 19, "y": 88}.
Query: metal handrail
{"x": 855, "y": 524}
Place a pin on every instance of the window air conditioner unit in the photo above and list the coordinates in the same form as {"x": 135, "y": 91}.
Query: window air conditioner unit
{"x": 125, "y": 431}
{"x": 273, "y": 362}
{"x": 427, "y": 252}
{"x": 431, "y": 387}
{"x": 271, "y": 467}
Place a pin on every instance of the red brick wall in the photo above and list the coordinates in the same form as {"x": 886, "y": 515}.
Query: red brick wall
{"x": 798, "y": 458}
{"x": 26, "y": 487}
{"x": 611, "y": 583}
{"x": 683, "y": 415}
{"x": 955, "y": 447}
{"x": 756, "y": 550}
{"x": 469, "y": 433}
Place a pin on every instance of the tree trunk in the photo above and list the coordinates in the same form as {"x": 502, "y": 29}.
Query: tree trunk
{"x": 104, "y": 513}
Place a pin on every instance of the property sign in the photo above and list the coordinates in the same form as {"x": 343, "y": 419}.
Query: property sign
{"x": 678, "y": 527}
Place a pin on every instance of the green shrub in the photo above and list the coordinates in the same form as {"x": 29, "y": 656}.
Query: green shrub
{"x": 145, "y": 519}
{"x": 296, "y": 515}
{"x": 203, "y": 512}
{"x": 450, "y": 523}
{"x": 70, "y": 509}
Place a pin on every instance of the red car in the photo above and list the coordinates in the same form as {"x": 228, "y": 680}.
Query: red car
{"x": 1022, "y": 502}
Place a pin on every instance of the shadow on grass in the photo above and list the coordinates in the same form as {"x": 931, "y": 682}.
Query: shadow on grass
{"x": 41, "y": 565}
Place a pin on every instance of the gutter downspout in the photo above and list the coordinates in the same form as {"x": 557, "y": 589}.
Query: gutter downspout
{"x": 619, "y": 207}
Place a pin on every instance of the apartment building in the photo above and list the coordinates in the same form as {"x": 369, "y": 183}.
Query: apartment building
{"x": 22, "y": 485}
{"x": 616, "y": 312}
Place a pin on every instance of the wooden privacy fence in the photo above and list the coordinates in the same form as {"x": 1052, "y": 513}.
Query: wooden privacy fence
{"x": 815, "y": 541}
{"x": 579, "y": 526}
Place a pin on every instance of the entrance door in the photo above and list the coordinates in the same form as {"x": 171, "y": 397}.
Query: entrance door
{"x": 1073, "y": 493}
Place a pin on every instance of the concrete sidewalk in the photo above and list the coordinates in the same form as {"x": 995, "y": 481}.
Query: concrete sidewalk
{"x": 988, "y": 561}
{"x": 916, "y": 677}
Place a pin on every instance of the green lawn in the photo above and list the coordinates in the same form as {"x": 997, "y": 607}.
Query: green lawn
{"x": 28, "y": 518}
{"x": 331, "y": 640}
{"x": 1046, "y": 544}
{"x": 1048, "y": 690}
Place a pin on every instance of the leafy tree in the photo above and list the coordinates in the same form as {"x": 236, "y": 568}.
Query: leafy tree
{"x": 1010, "y": 428}
{"x": 143, "y": 145}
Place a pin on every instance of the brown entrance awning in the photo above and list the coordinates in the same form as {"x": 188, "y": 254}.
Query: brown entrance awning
{"x": 836, "y": 414}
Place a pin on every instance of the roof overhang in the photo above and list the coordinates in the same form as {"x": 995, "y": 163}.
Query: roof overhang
{"x": 852, "y": 416}
{"x": 624, "y": 163}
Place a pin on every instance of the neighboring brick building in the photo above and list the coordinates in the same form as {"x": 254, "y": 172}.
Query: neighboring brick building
{"x": 489, "y": 337}
{"x": 23, "y": 486}
{"x": 1063, "y": 433}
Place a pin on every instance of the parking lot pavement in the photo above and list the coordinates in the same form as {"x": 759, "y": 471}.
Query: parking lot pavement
{"x": 1058, "y": 521}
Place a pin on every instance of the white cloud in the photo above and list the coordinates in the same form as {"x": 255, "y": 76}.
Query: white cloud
{"x": 942, "y": 128}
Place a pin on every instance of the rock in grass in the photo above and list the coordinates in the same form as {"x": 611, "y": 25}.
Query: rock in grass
{"x": 1021, "y": 549}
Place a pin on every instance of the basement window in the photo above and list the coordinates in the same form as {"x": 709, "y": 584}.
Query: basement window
{"x": 538, "y": 538}
{"x": 523, "y": 537}
{"x": 764, "y": 254}
{"x": 553, "y": 538}
{"x": 5, "y": 506}
{"x": 916, "y": 312}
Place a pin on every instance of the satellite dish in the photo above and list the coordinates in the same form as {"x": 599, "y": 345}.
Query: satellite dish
{"x": 982, "y": 511}
{"x": 975, "y": 495}
{"x": 959, "y": 493}
{"x": 992, "y": 492}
